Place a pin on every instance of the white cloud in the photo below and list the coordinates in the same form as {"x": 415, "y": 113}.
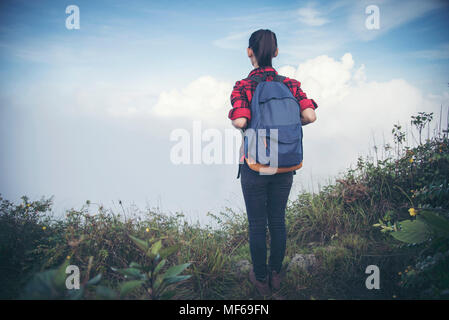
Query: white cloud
{"x": 237, "y": 40}
{"x": 205, "y": 98}
{"x": 350, "y": 105}
{"x": 325, "y": 77}
{"x": 442, "y": 52}
{"x": 343, "y": 92}
{"x": 311, "y": 17}
{"x": 100, "y": 99}
{"x": 352, "y": 110}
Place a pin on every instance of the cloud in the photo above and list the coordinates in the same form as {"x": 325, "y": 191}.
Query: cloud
{"x": 440, "y": 53}
{"x": 205, "y": 98}
{"x": 113, "y": 101}
{"x": 352, "y": 110}
{"x": 325, "y": 77}
{"x": 311, "y": 17}
{"x": 343, "y": 92}
{"x": 350, "y": 105}
{"x": 234, "y": 40}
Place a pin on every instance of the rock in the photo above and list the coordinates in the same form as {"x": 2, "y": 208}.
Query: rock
{"x": 302, "y": 261}
{"x": 243, "y": 267}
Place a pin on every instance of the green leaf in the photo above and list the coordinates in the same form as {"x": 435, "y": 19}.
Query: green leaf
{"x": 130, "y": 272}
{"x": 176, "y": 279}
{"x": 105, "y": 293}
{"x": 61, "y": 276}
{"x": 437, "y": 224}
{"x": 135, "y": 265}
{"x": 94, "y": 280}
{"x": 159, "y": 266}
{"x": 76, "y": 294}
{"x": 143, "y": 245}
{"x": 164, "y": 253}
{"x": 158, "y": 281}
{"x": 127, "y": 287}
{"x": 156, "y": 247}
{"x": 41, "y": 286}
{"x": 175, "y": 270}
{"x": 168, "y": 295}
{"x": 415, "y": 231}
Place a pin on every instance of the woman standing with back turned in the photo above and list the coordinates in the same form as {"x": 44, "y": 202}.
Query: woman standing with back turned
{"x": 265, "y": 195}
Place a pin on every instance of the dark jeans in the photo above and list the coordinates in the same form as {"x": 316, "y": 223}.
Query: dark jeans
{"x": 265, "y": 199}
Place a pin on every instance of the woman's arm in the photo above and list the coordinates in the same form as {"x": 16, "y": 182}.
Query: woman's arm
{"x": 240, "y": 123}
{"x": 308, "y": 116}
{"x": 306, "y": 105}
{"x": 240, "y": 112}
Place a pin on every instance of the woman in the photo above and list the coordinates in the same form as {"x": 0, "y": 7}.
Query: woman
{"x": 265, "y": 195}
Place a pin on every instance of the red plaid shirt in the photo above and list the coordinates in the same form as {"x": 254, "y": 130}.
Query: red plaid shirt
{"x": 244, "y": 89}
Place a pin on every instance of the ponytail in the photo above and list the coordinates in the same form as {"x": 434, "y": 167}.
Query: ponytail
{"x": 264, "y": 45}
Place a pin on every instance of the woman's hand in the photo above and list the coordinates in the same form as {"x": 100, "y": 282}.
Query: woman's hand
{"x": 308, "y": 116}
{"x": 240, "y": 123}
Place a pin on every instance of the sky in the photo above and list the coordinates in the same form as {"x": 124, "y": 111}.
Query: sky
{"x": 92, "y": 113}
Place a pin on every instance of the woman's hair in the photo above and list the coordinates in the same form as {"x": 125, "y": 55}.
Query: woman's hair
{"x": 264, "y": 45}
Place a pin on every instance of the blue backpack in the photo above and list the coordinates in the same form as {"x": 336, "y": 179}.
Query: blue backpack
{"x": 273, "y": 139}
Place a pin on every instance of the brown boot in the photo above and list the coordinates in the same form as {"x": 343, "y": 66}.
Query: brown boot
{"x": 262, "y": 287}
{"x": 275, "y": 281}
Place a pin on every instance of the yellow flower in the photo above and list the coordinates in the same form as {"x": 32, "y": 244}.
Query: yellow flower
{"x": 28, "y": 205}
{"x": 147, "y": 229}
{"x": 68, "y": 257}
{"x": 411, "y": 160}
{"x": 44, "y": 227}
{"x": 412, "y": 212}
